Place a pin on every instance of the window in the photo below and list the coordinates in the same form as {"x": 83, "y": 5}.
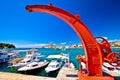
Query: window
{"x": 28, "y": 61}
{"x": 57, "y": 65}
{"x": 34, "y": 65}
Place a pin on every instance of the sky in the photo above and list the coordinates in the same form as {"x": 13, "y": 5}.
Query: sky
{"x": 24, "y": 29}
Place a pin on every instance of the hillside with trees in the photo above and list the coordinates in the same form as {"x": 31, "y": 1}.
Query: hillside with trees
{"x": 6, "y": 45}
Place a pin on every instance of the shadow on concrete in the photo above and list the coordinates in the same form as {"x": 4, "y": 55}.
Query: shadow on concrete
{"x": 71, "y": 75}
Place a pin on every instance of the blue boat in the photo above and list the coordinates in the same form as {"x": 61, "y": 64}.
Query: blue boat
{"x": 6, "y": 55}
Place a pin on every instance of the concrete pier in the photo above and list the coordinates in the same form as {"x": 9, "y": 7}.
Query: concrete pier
{"x": 67, "y": 74}
{"x": 64, "y": 74}
{"x": 14, "y": 76}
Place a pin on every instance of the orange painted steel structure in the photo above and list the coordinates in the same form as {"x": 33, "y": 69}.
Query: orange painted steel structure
{"x": 94, "y": 54}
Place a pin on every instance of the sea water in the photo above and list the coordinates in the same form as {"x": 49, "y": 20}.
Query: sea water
{"x": 73, "y": 52}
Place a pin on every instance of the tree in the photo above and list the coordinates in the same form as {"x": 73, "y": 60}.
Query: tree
{"x": 7, "y": 45}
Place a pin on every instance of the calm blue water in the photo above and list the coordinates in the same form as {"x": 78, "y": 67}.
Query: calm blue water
{"x": 44, "y": 51}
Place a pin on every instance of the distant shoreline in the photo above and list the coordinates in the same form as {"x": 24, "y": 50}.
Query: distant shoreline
{"x": 115, "y": 47}
{"x": 51, "y": 48}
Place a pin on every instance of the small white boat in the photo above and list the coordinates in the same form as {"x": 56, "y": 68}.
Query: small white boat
{"x": 107, "y": 67}
{"x": 33, "y": 66}
{"x": 61, "y": 56}
{"x": 54, "y": 65}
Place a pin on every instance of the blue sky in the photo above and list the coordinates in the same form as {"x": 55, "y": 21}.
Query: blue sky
{"x": 21, "y": 28}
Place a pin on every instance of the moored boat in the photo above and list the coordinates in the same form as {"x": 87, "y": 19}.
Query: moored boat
{"x": 22, "y": 63}
{"x": 7, "y": 55}
{"x": 33, "y": 66}
{"x": 54, "y": 65}
{"x": 31, "y": 56}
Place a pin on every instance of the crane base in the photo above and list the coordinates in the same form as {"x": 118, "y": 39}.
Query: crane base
{"x": 83, "y": 76}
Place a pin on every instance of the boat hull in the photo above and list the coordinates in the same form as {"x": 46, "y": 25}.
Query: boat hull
{"x": 18, "y": 66}
{"x": 4, "y": 60}
{"x": 32, "y": 70}
{"x": 49, "y": 72}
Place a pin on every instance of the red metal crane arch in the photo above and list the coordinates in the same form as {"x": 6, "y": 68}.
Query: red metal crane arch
{"x": 93, "y": 52}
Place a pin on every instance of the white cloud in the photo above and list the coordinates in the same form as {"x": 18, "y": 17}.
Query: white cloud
{"x": 30, "y": 45}
{"x": 72, "y": 41}
{"x": 105, "y": 38}
{"x": 109, "y": 40}
{"x": 113, "y": 40}
{"x": 54, "y": 44}
{"x": 63, "y": 43}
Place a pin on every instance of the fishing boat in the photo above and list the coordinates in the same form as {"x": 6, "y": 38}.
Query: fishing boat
{"x": 22, "y": 63}
{"x": 31, "y": 56}
{"x": 54, "y": 65}
{"x": 33, "y": 66}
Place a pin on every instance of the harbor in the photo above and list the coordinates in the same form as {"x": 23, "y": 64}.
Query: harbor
{"x": 40, "y": 47}
{"x": 65, "y": 72}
